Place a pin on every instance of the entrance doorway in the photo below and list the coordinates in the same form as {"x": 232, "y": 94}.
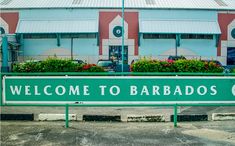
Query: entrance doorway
{"x": 115, "y": 54}
{"x": 231, "y": 56}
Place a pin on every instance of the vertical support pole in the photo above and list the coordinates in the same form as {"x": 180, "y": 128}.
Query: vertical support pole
{"x": 139, "y": 35}
{"x": 58, "y": 36}
{"x": 177, "y": 43}
{"x": 175, "y": 115}
{"x": 98, "y": 39}
{"x": 71, "y": 48}
{"x": 21, "y": 47}
{"x": 66, "y": 116}
{"x": 123, "y": 32}
{"x": 5, "y": 67}
{"x": 217, "y": 39}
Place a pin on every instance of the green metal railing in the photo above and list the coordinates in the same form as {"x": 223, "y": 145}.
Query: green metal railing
{"x": 175, "y": 106}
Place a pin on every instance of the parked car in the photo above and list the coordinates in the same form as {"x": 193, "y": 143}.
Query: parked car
{"x": 32, "y": 61}
{"x": 176, "y": 58}
{"x": 226, "y": 69}
{"x": 78, "y": 61}
{"x": 108, "y": 65}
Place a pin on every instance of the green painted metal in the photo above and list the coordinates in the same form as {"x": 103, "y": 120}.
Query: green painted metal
{"x": 58, "y": 37}
{"x": 66, "y": 116}
{"x": 133, "y": 105}
{"x": 123, "y": 34}
{"x": 1, "y": 90}
{"x": 178, "y": 39}
{"x": 5, "y": 66}
{"x": 116, "y": 74}
{"x": 122, "y": 90}
{"x": 217, "y": 39}
{"x": 98, "y": 38}
{"x": 175, "y": 115}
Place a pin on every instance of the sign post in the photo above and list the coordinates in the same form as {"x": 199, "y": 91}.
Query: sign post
{"x": 175, "y": 115}
{"x": 66, "y": 116}
{"x": 123, "y": 32}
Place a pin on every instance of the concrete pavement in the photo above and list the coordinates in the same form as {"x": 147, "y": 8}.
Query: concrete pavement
{"x": 220, "y": 133}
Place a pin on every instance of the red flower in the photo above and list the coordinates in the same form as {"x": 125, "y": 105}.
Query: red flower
{"x": 88, "y": 66}
{"x": 170, "y": 61}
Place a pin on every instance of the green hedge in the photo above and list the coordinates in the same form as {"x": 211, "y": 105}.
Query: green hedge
{"x": 233, "y": 70}
{"x": 55, "y": 65}
{"x": 146, "y": 65}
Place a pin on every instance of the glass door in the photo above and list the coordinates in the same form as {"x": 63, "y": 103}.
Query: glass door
{"x": 115, "y": 54}
{"x": 231, "y": 56}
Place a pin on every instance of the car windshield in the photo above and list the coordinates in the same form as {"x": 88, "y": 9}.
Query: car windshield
{"x": 104, "y": 63}
{"x": 176, "y": 57}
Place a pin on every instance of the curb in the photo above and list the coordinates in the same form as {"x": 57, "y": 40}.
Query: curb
{"x": 102, "y": 118}
{"x": 55, "y": 117}
{"x": 15, "y": 117}
{"x": 117, "y": 118}
{"x": 190, "y": 118}
{"x": 145, "y": 118}
{"x": 223, "y": 116}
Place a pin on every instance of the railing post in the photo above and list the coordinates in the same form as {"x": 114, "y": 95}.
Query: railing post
{"x": 66, "y": 116}
{"x": 175, "y": 115}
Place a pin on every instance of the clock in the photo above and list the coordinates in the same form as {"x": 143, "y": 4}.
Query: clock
{"x": 117, "y": 31}
{"x": 233, "y": 33}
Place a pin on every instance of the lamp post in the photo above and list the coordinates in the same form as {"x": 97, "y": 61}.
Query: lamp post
{"x": 123, "y": 35}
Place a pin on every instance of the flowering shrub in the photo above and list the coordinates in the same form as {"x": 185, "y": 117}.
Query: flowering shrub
{"x": 92, "y": 68}
{"x": 233, "y": 70}
{"x": 55, "y": 65}
{"x": 146, "y": 65}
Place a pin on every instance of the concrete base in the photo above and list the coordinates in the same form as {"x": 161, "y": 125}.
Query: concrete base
{"x": 223, "y": 116}
{"x": 122, "y": 114}
{"x": 55, "y": 117}
{"x": 145, "y": 118}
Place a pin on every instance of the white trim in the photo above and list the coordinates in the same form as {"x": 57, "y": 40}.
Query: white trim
{"x": 4, "y": 90}
{"x": 5, "y": 25}
{"x": 120, "y": 102}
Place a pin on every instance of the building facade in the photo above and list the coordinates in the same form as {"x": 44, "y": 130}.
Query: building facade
{"x": 89, "y": 30}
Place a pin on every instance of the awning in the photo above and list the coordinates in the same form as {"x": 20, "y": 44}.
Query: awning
{"x": 179, "y": 27}
{"x": 57, "y": 26}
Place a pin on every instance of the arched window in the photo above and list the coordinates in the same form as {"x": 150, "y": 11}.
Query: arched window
{"x": 2, "y": 30}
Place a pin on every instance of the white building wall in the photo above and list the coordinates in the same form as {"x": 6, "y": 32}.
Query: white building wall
{"x": 40, "y": 49}
{"x": 191, "y": 48}
{"x": 156, "y": 48}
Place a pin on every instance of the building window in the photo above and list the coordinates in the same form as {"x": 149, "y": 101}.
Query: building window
{"x": 196, "y": 36}
{"x": 90, "y": 36}
{"x": 39, "y": 36}
{"x": 2, "y": 30}
{"x": 159, "y": 36}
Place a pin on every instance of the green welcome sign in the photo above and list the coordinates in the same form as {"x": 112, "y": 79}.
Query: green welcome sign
{"x": 119, "y": 90}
